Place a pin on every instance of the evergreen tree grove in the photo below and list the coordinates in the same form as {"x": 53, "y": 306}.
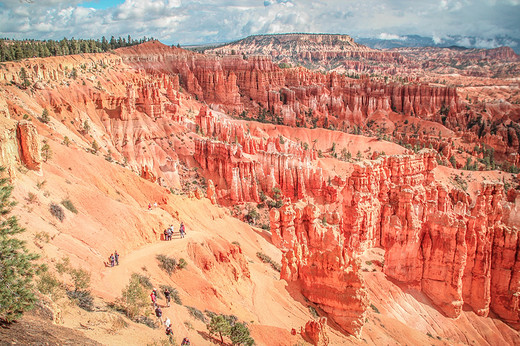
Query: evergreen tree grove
{"x": 20, "y": 49}
{"x": 16, "y": 262}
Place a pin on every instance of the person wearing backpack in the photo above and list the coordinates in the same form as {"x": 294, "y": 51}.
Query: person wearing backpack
{"x": 182, "y": 231}
{"x": 185, "y": 342}
{"x": 153, "y": 297}
{"x": 167, "y": 296}
{"x": 112, "y": 260}
{"x": 158, "y": 313}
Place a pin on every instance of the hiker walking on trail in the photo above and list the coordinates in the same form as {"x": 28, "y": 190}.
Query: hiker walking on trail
{"x": 182, "y": 231}
{"x": 169, "y": 332}
{"x": 170, "y": 232}
{"x": 116, "y": 257}
{"x": 167, "y": 296}
{"x": 112, "y": 260}
{"x": 167, "y": 322}
{"x": 158, "y": 313}
{"x": 185, "y": 342}
{"x": 153, "y": 297}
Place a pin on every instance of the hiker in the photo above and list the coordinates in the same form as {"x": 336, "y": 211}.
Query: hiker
{"x": 155, "y": 204}
{"x": 169, "y": 332}
{"x": 170, "y": 232}
{"x": 185, "y": 342}
{"x": 167, "y": 322}
{"x": 112, "y": 259}
{"x": 165, "y": 234}
{"x": 167, "y": 296}
{"x": 149, "y": 206}
{"x": 158, "y": 313}
{"x": 116, "y": 257}
{"x": 182, "y": 231}
{"x": 153, "y": 296}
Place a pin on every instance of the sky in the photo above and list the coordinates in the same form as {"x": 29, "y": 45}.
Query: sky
{"x": 212, "y": 21}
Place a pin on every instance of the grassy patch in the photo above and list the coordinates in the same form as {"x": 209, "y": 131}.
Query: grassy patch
{"x": 376, "y": 310}
{"x": 68, "y": 204}
{"x": 266, "y": 259}
{"x": 313, "y": 311}
{"x": 197, "y": 314}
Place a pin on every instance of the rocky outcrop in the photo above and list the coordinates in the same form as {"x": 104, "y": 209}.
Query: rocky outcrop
{"x": 306, "y": 48}
{"x": 432, "y": 236}
{"x": 221, "y": 259}
{"x": 29, "y": 143}
{"x": 316, "y": 332}
{"x": 292, "y": 96}
{"x": 318, "y": 259}
{"x": 9, "y": 150}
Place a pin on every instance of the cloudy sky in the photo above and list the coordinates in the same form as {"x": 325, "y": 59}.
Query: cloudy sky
{"x": 205, "y": 21}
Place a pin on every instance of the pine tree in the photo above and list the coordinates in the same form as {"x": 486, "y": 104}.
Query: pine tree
{"x": 239, "y": 335}
{"x": 16, "y": 262}
{"x": 45, "y": 116}
{"x": 24, "y": 78}
{"x": 219, "y": 324}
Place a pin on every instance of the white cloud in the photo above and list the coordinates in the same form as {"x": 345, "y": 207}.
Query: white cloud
{"x": 386, "y": 36}
{"x": 197, "y": 21}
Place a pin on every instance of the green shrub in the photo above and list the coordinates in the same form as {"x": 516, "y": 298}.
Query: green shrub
{"x": 63, "y": 266}
{"x": 68, "y": 204}
{"x": 376, "y": 310}
{"x": 147, "y": 321}
{"x": 143, "y": 280}
{"x": 50, "y": 285}
{"x": 197, "y": 314}
{"x": 83, "y": 299}
{"x": 57, "y": 211}
{"x": 80, "y": 279}
{"x": 313, "y": 311}
{"x": 266, "y": 259}
{"x": 182, "y": 263}
{"x": 168, "y": 264}
{"x": 134, "y": 299}
{"x": 42, "y": 236}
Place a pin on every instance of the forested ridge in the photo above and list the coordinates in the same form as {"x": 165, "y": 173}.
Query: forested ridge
{"x": 11, "y": 50}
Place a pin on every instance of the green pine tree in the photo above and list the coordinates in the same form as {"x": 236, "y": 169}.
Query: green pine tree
{"x": 239, "y": 335}
{"x": 219, "y": 324}
{"x": 16, "y": 262}
{"x": 24, "y": 78}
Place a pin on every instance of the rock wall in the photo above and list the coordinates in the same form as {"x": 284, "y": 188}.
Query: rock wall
{"x": 433, "y": 236}
{"x": 247, "y": 165}
{"x": 318, "y": 259}
{"x": 316, "y": 332}
{"x": 30, "y": 152}
{"x": 296, "y": 95}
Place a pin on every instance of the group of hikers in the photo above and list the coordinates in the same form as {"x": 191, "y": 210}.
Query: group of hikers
{"x": 158, "y": 313}
{"x": 169, "y": 232}
{"x": 113, "y": 260}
